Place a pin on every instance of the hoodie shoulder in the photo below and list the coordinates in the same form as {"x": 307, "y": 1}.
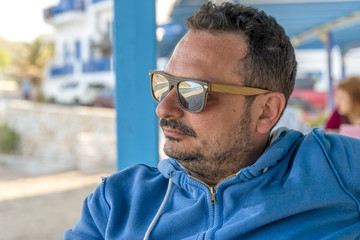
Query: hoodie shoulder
{"x": 137, "y": 172}
{"x": 343, "y": 156}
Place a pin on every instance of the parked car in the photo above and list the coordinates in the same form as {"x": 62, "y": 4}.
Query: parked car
{"x": 308, "y": 99}
{"x": 105, "y": 98}
{"x": 78, "y": 93}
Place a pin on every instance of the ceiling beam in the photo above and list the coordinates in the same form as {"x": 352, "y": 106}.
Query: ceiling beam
{"x": 321, "y": 30}
{"x": 255, "y": 2}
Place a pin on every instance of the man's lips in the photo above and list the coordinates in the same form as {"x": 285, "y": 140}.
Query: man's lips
{"x": 174, "y": 128}
{"x": 170, "y": 132}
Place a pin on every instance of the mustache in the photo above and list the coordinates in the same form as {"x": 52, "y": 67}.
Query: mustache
{"x": 179, "y": 126}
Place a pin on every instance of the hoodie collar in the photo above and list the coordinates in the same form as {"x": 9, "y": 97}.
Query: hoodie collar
{"x": 281, "y": 144}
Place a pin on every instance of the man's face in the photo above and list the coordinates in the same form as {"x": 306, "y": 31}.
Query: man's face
{"x": 223, "y": 129}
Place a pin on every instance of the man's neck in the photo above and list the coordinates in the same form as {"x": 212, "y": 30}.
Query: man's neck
{"x": 213, "y": 173}
{"x": 204, "y": 179}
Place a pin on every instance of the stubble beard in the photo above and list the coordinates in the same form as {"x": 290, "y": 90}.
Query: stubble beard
{"x": 217, "y": 160}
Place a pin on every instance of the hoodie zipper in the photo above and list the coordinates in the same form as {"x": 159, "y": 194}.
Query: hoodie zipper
{"x": 212, "y": 189}
{"x": 212, "y": 195}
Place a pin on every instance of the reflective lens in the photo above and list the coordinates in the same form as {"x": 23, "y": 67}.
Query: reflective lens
{"x": 160, "y": 87}
{"x": 191, "y": 95}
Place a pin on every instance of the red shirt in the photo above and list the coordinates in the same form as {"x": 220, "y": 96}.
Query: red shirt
{"x": 335, "y": 121}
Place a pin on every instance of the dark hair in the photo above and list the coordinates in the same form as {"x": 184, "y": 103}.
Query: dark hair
{"x": 270, "y": 60}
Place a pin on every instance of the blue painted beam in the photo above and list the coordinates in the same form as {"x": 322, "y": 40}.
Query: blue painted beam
{"x": 343, "y": 63}
{"x": 329, "y": 47}
{"x": 134, "y": 56}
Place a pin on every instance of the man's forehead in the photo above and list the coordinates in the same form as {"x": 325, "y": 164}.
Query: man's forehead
{"x": 225, "y": 43}
{"x": 199, "y": 52}
{"x": 213, "y": 40}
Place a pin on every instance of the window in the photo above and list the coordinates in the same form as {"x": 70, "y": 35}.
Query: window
{"x": 78, "y": 50}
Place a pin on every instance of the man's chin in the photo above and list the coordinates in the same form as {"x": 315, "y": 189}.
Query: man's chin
{"x": 172, "y": 139}
{"x": 180, "y": 153}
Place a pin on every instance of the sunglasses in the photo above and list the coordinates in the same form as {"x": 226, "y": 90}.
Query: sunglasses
{"x": 192, "y": 93}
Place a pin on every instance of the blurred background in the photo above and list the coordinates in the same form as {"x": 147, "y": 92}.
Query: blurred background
{"x": 60, "y": 95}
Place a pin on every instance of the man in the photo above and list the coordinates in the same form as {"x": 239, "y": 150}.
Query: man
{"x": 227, "y": 177}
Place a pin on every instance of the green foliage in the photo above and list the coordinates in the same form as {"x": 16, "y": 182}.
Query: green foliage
{"x": 5, "y": 59}
{"x": 8, "y": 139}
{"x": 31, "y": 60}
{"x": 316, "y": 119}
{"x": 35, "y": 56}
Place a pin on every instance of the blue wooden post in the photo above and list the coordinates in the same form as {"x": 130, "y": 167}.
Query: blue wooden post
{"x": 329, "y": 46}
{"x": 134, "y": 56}
{"x": 343, "y": 63}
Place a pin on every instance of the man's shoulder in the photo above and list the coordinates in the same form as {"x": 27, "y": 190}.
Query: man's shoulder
{"x": 134, "y": 173}
{"x": 319, "y": 144}
{"x": 340, "y": 152}
{"x": 333, "y": 142}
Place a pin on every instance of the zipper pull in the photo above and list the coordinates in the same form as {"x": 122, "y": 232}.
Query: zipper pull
{"x": 212, "y": 195}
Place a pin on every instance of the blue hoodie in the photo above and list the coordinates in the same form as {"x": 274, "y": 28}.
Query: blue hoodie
{"x": 302, "y": 187}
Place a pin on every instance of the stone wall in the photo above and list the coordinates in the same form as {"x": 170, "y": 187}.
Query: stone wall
{"x": 56, "y": 138}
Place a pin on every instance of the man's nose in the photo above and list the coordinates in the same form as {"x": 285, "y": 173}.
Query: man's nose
{"x": 169, "y": 107}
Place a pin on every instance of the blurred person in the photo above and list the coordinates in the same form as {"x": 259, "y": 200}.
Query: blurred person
{"x": 228, "y": 176}
{"x": 25, "y": 89}
{"x": 347, "y": 103}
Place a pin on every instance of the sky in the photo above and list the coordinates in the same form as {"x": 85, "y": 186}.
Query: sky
{"x": 22, "y": 20}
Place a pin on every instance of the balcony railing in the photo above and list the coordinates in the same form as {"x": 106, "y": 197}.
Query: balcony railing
{"x": 64, "y": 6}
{"x": 63, "y": 70}
{"x": 97, "y": 65}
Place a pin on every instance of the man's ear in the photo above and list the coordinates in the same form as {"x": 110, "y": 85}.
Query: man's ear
{"x": 271, "y": 106}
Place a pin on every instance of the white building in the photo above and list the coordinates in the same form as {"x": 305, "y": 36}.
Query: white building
{"x": 82, "y": 44}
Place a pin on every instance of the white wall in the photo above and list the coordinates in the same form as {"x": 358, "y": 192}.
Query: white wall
{"x": 55, "y": 138}
{"x": 353, "y": 62}
{"x": 316, "y": 61}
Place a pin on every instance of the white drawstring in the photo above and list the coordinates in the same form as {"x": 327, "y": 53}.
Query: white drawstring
{"x": 156, "y": 218}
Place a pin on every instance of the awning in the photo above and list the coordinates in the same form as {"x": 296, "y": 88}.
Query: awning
{"x": 308, "y": 23}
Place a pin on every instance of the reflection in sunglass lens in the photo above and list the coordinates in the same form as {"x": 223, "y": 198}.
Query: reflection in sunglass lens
{"x": 192, "y": 95}
{"x": 160, "y": 87}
